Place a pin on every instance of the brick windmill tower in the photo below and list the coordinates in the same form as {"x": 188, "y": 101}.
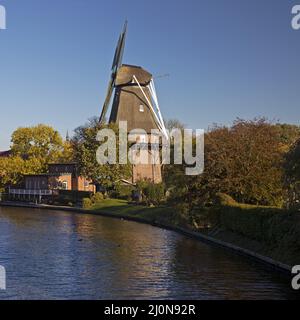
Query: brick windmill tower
{"x": 135, "y": 101}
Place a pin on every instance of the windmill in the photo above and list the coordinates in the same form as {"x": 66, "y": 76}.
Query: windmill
{"x": 135, "y": 101}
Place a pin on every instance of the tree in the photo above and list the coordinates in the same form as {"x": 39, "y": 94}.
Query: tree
{"x": 292, "y": 175}
{"x": 33, "y": 148}
{"x": 40, "y": 142}
{"x": 173, "y": 174}
{"x": 243, "y": 161}
{"x": 289, "y": 134}
{"x": 67, "y": 153}
{"x": 85, "y": 148}
{"x": 12, "y": 170}
{"x": 174, "y": 124}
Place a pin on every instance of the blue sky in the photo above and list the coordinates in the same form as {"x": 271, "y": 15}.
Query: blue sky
{"x": 226, "y": 59}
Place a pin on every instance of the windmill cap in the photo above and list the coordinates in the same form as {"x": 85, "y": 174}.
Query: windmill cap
{"x": 126, "y": 72}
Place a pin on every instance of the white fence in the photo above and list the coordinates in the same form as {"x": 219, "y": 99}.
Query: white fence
{"x": 30, "y": 192}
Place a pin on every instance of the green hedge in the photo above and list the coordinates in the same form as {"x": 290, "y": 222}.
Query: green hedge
{"x": 123, "y": 192}
{"x": 68, "y": 197}
{"x": 74, "y": 193}
{"x": 264, "y": 224}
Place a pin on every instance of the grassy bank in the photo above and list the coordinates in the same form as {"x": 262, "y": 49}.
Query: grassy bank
{"x": 268, "y": 231}
{"x": 118, "y": 207}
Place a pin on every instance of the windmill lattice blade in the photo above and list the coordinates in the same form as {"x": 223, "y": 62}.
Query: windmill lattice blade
{"x": 117, "y": 61}
{"x": 120, "y": 49}
{"x": 107, "y": 99}
{"x": 122, "y": 45}
{"x": 116, "y": 53}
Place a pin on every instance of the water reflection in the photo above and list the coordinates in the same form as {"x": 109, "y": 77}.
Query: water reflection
{"x": 58, "y": 255}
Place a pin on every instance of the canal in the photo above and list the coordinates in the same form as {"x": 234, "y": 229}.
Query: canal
{"x": 60, "y": 255}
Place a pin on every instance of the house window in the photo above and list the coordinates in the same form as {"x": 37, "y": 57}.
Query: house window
{"x": 141, "y": 108}
{"x": 65, "y": 185}
{"x": 143, "y": 138}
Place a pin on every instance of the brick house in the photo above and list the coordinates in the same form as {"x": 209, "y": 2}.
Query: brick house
{"x": 60, "y": 176}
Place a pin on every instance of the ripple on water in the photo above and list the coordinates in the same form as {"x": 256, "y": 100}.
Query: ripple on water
{"x": 59, "y": 255}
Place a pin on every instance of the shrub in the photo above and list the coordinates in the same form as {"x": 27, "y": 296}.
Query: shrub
{"x": 97, "y": 197}
{"x": 66, "y": 197}
{"x": 154, "y": 193}
{"x": 278, "y": 229}
{"x": 123, "y": 192}
{"x": 141, "y": 185}
{"x": 87, "y": 203}
{"x": 74, "y": 194}
{"x": 252, "y": 223}
{"x": 183, "y": 209}
{"x": 264, "y": 224}
{"x": 224, "y": 200}
{"x": 151, "y": 193}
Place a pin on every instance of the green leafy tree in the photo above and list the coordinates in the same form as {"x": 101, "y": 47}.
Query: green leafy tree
{"x": 40, "y": 142}
{"x": 12, "y": 170}
{"x": 67, "y": 153}
{"x": 32, "y": 149}
{"x": 85, "y": 148}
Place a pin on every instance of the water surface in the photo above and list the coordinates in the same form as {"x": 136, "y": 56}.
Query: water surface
{"x": 60, "y": 255}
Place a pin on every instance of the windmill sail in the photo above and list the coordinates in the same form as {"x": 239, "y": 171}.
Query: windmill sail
{"x": 117, "y": 62}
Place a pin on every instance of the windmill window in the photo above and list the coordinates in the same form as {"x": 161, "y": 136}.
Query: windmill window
{"x": 141, "y": 108}
{"x": 143, "y": 138}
